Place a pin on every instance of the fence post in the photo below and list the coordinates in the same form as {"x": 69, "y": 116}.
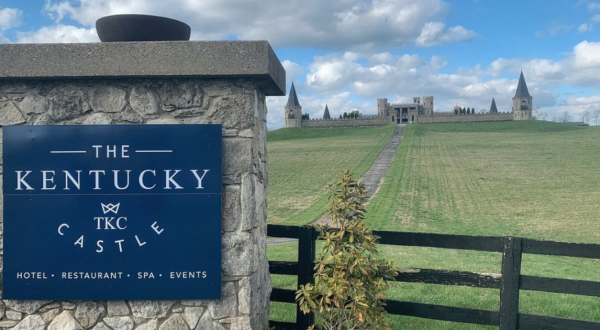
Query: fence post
{"x": 306, "y": 259}
{"x": 509, "y": 292}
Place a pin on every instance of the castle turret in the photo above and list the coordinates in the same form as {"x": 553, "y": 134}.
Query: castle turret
{"x": 493, "y": 108}
{"x": 293, "y": 110}
{"x": 382, "y": 110}
{"x": 522, "y": 102}
{"x": 326, "y": 113}
{"x": 428, "y": 105}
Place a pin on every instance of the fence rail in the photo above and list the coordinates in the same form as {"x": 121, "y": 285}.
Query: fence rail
{"x": 510, "y": 281}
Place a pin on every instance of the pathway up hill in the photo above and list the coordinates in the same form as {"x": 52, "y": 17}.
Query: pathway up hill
{"x": 375, "y": 175}
{"x": 303, "y": 162}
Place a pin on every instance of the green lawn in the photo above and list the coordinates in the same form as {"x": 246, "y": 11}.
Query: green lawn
{"x": 303, "y": 162}
{"x": 531, "y": 179}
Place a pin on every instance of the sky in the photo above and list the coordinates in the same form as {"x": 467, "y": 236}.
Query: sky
{"x": 348, "y": 53}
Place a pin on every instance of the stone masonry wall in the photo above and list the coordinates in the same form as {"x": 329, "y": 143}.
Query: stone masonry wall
{"x": 240, "y": 107}
{"x": 452, "y": 118}
{"x": 358, "y": 122}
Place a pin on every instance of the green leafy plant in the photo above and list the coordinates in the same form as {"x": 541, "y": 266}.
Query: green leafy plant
{"x": 349, "y": 276}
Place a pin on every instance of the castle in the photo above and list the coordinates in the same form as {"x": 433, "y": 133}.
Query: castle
{"x": 415, "y": 112}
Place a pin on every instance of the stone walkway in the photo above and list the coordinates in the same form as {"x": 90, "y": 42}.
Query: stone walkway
{"x": 372, "y": 178}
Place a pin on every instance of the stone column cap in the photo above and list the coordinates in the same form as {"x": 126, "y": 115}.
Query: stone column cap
{"x": 254, "y": 60}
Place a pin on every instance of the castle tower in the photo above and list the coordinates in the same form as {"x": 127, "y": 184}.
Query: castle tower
{"x": 493, "y": 108}
{"x": 326, "y": 114}
{"x": 522, "y": 102}
{"x": 428, "y": 105}
{"x": 293, "y": 110}
{"x": 382, "y": 110}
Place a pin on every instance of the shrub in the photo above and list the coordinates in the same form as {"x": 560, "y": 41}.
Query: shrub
{"x": 349, "y": 276}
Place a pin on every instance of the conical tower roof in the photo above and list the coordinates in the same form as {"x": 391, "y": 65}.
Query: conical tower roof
{"x": 522, "y": 87}
{"x": 326, "y": 114}
{"x": 493, "y": 108}
{"x": 293, "y": 99}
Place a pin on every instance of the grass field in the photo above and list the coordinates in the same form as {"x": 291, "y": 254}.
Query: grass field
{"x": 303, "y": 162}
{"x": 531, "y": 179}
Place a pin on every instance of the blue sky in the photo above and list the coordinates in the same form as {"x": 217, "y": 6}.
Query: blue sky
{"x": 347, "y": 53}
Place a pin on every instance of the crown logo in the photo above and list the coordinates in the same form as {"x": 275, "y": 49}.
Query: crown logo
{"x": 114, "y": 208}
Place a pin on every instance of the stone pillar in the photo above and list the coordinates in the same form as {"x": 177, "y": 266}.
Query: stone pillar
{"x": 159, "y": 83}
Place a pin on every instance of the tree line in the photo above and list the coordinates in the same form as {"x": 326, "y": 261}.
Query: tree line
{"x": 586, "y": 117}
{"x": 463, "y": 111}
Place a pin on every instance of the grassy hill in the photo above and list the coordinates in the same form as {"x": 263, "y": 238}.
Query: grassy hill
{"x": 303, "y": 162}
{"x": 532, "y": 179}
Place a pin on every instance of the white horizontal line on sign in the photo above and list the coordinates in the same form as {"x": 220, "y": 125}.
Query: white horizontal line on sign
{"x": 68, "y": 152}
{"x": 142, "y": 151}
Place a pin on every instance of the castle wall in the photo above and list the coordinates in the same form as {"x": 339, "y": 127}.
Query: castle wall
{"x": 453, "y": 118}
{"x": 365, "y": 121}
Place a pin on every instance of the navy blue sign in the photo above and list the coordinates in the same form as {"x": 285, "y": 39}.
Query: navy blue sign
{"x": 112, "y": 212}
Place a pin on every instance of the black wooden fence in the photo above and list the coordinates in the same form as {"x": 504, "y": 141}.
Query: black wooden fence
{"x": 510, "y": 282}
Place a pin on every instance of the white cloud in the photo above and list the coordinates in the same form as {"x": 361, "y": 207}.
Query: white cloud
{"x": 585, "y": 27}
{"x": 582, "y": 100}
{"x": 589, "y": 26}
{"x": 586, "y": 55}
{"x": 345, "y": 24}
{"x": 502, "y": 65}
{"x": 292, "y": 71}
{"x": 557, "y": 28}
{"x": 58, "y": 34}
{"x": 4, "y": 40}
{"x": 333, "y": 72}
{"x": 10, "y": 18}
{"x": 594, "y": 6}
{"x": 546, "y": 69}
{"x": 381, "y": 58}
{"x": 436, "y": 33}
{"x": 581, "y": 68}
{"x": 438, "y": 62}
{"x": 411, "y": 75}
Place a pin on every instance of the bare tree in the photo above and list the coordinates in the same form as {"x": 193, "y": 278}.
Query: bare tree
{"x": 596, "y": 115}
{"x": 565, "y": 117}
{"x": 539, "y": 114}
{"x": 585, "y": 117}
